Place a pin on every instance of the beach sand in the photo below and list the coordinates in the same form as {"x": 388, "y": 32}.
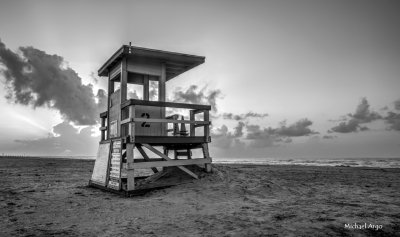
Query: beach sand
{"x": 50, "y": 197}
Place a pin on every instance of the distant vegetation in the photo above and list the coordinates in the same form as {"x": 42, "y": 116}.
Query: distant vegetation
{"x": 63, "y": 157}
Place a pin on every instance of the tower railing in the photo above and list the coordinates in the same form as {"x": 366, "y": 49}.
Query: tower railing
{"x": 128, "y": 120}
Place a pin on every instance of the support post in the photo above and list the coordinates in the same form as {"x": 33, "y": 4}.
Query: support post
{"x": 207, "y": 127}
{"x": 130, "y": 172}
{"x": 146, "y": 87}
{"x": 110, "y": 91}
{"x": 166, "y": 152}
{"x": 161, "y": 83}
{"x": 206, "y": 155}
{"x": 124, "y": 81}
{"x": 103, "y": 124}
{"x": 131, "y": 131}
{"x": 123, "y": 95}
{"x": 161, "y": 96}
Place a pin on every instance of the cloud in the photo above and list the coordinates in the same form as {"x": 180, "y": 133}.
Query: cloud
{"x": 101, "y": 100}
{"x": 261, "y": 137}
{"x": 238, "y": 130}
{"x": 362, "y": 115}
{"x": 393, "y": 119}
{"x": 354, "y": 122}
{"x": 40, "y": 79}
{"x": 94, "y": 77}
{"x": 397, "y": 104}
{"x": 241, "y": 117}
{"x": 270, "y": 136}
{"x": 222, "y": 138}
{"x": 223, "y": 131}
{"x": 384, "y": 108}
{"x": 328, "y": 137}
{"x": 346, "y": 127}
{"x": 194, "y": 96}
{"x": 66, "y": 141}
{"x": 298, "y": 129}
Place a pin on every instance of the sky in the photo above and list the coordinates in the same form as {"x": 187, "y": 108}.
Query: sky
{"x": 287, "y": 79}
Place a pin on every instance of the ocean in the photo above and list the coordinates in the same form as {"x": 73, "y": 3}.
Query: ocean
{"x": 343, "y": 162}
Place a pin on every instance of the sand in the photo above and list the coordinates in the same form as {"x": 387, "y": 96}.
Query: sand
{"x": 50, "y": 197}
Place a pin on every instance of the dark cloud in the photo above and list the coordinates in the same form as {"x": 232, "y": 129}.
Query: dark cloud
{"x": 385, "y": 108}
{"x": 66, "y": 141}
{"x": 298, "y": 129}
{"x": 346, "y": 127}
{"x": 238, "y": 130}
{"x": 328, "y": 137}
{"x": 240, "y": 117}
{"x": 393, "y": 120}
{"x": 269, "y": 136}
{"x": 261, "y": 137}
{"x": 40, "y": 79}
{"x": 195, "y": 96}
{"x": 288, "y": 140}
{"x": 284, "y": 140}
{"x": 397, "y": 104}
{"x": 362, "y": 115}
{"x": 231, "y": 116}
{"x": 223, "y": 131}
{"x": 353, "y": 125}
{"x": 255, "y": 132}
{"x": 222, "y": 138}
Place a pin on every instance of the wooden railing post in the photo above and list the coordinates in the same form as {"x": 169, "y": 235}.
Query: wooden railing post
{"x": 192, "y": 127}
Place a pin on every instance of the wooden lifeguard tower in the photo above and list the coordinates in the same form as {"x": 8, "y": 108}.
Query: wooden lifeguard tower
{"x": 130, "y": 128}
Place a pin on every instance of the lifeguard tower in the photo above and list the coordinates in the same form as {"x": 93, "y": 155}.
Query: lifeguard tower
{"x": 140, "y": 134}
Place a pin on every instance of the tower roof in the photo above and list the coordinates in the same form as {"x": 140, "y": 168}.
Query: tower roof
{"x": 175, "y": 63}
